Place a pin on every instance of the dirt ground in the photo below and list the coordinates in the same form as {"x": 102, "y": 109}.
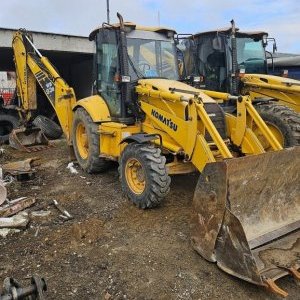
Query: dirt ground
{"x": 111, "y": 249}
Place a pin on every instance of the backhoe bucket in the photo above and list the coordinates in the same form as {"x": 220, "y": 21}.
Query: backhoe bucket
{"x": 246, "y": 216}
{"x": 28, "y": 139}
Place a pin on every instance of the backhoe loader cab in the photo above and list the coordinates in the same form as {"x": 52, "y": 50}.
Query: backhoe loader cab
{"x": 211, "y": 55}
{"x": 232, "y": 61}
{"x": 121, "y": 62}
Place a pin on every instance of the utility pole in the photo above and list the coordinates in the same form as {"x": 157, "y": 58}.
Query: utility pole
{"x": 158, "y": 18}
{"x": 107, "y": 10}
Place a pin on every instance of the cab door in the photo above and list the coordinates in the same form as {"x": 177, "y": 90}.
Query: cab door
{"x": 108, "y": 71}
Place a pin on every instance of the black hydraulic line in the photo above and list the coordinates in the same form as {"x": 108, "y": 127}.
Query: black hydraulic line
{"x": 124, "y": 66}
{"x": 234, "y": 60}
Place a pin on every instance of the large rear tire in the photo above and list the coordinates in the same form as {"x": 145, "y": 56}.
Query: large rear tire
{"x": 86, "y": 143}
{"x": 143, "y": 175}
{"x": 283, "y": 122}
{"x": 7, "y": 124}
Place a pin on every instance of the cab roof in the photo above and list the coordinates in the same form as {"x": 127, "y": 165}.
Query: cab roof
{"x": 227, "y": 30}
{"x": 132, "y": 26}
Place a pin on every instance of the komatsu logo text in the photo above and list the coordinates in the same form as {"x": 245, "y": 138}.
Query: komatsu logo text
{"x": 164, "y": 120}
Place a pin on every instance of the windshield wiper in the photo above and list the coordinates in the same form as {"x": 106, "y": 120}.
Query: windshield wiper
{"x": 138, "y": 73}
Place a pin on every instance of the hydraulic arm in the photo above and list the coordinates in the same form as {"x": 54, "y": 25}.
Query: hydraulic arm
{"x": 285, "y": 90}
{"x": 32, "y": 67}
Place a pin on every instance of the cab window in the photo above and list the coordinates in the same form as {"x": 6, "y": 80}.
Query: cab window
{"x": 108, "y": 70}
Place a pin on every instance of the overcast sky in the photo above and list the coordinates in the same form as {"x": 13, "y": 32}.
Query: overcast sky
{"x": 281, "y": 18}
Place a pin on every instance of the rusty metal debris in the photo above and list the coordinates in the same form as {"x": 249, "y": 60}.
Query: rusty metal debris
{"x": 9, "y": 209}
{"x": 21, "y": 168}
{"x": 295, "y": 273}
{"x": 28, "y": 139}
{"x": 15, "y": 206}
{"x": 273, "y": 287}
{"x": 13, "y": 291}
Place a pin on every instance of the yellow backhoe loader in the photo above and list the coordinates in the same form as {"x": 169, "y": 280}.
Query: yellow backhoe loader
{"x": 155, "y": 126}
{"x": 229, "y": 60}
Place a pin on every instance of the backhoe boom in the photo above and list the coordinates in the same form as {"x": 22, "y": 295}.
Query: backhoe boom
{"x": 31, "y": 66}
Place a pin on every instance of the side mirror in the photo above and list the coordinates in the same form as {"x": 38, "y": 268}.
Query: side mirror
{"x": 274, "y": 47}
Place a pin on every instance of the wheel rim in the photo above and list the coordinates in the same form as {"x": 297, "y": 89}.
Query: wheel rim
{"x": 135, "y": 176}
{"x": 275, "y": 131}
{"x": 82, "y": 141}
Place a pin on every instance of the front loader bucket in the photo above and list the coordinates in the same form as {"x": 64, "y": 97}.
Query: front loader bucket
{"x": 246, "y": 216}
{"x": 28, "y": 139}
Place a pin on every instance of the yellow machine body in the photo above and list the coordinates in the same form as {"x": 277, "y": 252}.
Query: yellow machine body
{"x": 285, "y": 90}
{"x": 187, "y": 126}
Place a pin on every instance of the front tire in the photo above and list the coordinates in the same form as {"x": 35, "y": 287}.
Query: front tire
{"x": 143, "y": 175}
{"x": 86, "y": 143}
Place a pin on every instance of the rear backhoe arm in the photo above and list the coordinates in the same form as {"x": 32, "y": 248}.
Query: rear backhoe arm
{"x": 31, "y": 66}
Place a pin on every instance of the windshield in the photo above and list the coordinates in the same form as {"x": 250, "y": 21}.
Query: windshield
{"x": 152, "y": 58}
{"x": 251, "y": 55}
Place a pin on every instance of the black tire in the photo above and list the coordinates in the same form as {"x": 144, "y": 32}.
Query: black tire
{"x": 92, "y": 163}
{"x": 51, "y": 130}
{"x": 7, "y": 124}
{"x": 153, "y": 165}
{"x": 285, "y": 119}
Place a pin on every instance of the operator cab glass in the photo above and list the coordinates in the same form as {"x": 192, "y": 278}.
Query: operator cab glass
{"x": 206, "y": 56}
{"x": 151, "y": 54}
{"x": 251, "y": 55}
{"x": 107, "y": 70}
{"x": 210, "y": 55}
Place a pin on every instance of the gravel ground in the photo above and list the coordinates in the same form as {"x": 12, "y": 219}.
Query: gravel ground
{"x": 111, "y": 249}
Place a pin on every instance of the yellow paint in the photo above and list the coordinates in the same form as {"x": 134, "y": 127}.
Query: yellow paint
{"x": 261, "y": 125}
{"x": 111, "y": 135}
{"x": 247, "y": 120}
{"x": 26, "y": 87}
{"x": 82, "y": 141}
{"x": 251, "y": 144}
{"x": 96, "y": 108}
{"x": 180, "y": 167}
{"x": 135, "y": 176}
{"x": 164, "y": 85}
{"x": 286, "y": 90}
{"x": 241, "y": 120}
{"x": 30, "y": 69}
